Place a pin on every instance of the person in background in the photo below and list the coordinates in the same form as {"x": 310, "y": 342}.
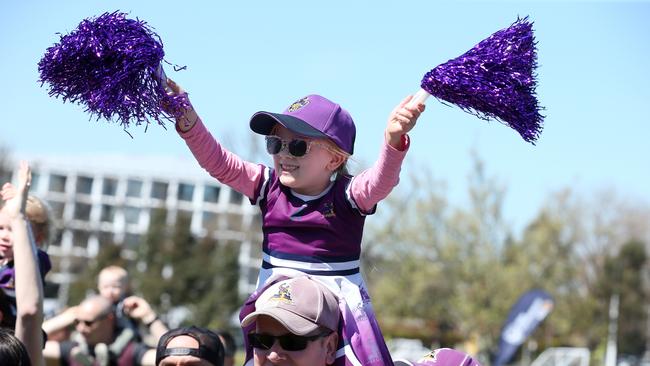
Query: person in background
{"x": 12, "y": 350}
{"x": 17, "y": 246}
{"x": 99, "y": 339}
{"x": 113, "y": 284}
{"x": 190, "y": 346}
{"x": 229, "y": 346}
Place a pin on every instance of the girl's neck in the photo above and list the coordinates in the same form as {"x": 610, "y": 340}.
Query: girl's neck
{"x": 308, "y": 197}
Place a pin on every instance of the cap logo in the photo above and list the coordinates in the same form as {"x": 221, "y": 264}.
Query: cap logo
{"x": 283, "y": 295}
{"x": 432, "y": 356}
{"x": 298, "y": 104}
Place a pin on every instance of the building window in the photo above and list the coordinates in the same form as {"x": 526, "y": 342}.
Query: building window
{"x": 132, "y": 240}
{"x": 159, "y": 190}
{"x": 105, "y": 238}
{"x": 209, "y": 221}
{"x": 234, "y": 221}
{"x": 82, "y": 211}
{"x": 211, "y": 194}
{"x": 236, "y": 197}
{"x": 184, "y": 214}
{"x": 133, "y": 188}
{"x": 57, "y": 209}
{"x": 131, "y": 215}
{"x": 80, "y": 238}
{"x": 57, "y": 183}
{"x": 107, "y": 214}
{"x": 185, "y": 192}
{"x": 35, "y": 180}
{"x": 84, "y": 185}
{"x": 251, "y": 274}
{"x": 109, "y": 187}
{"x": 57, "y": 237}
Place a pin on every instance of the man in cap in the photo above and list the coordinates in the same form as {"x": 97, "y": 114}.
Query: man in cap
{"x": 296, "y": 323}
{"x": 190, "y": 346}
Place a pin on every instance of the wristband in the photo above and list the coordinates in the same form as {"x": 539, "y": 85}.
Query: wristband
{"x": 148, "y": 324}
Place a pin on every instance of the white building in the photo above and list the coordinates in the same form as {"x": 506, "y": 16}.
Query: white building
{"x": 109, "y": 199}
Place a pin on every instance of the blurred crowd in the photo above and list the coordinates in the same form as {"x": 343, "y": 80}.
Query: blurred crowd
{"x": 110, "y": 327}
{"x": 295, "y": 321}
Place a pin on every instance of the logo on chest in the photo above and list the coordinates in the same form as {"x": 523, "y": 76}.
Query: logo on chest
{"x": 328, "y": 210}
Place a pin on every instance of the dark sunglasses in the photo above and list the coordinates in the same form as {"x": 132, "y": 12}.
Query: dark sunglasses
{"x": 295, "y": 147}
{"x": 288, "y": 342}
{"x": 89, "y": 323}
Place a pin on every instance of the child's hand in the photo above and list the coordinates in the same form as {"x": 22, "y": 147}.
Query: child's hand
{"x": 188, "y": 118}
{"x": 138, "y": 308}
{"x": 16, "y": 197}
{"x": 402, "y": 120}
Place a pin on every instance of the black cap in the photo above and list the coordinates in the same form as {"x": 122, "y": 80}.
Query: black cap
{"x": 210, "y": 346}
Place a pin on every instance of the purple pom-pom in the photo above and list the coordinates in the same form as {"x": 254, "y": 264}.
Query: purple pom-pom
{"x": 495, "y": 79}
{"x": 109, "y": 64}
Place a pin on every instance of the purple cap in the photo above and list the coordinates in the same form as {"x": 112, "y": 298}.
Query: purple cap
{"x": 300, "y": 304}
{"x": 442, "y": 357}
{"x": 311, "y": 116}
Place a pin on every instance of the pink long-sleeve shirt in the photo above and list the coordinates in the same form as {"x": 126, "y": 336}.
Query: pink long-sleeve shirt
{"x": 367, "y": 188}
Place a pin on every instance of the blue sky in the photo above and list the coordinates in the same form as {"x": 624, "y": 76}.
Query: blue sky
{"x": 242, "y": 57}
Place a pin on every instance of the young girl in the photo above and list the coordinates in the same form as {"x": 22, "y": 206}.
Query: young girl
{"x": 38, "y": 216}
{"x": 17, "y": 243}
{"x": 313, "y": 212}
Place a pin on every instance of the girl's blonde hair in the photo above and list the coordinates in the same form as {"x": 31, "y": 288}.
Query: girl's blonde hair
{"x": 38, "y": 214}
{"x": 335, "y": 149}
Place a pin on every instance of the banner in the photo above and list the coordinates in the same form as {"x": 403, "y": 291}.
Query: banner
{"x": 531, "y": 308}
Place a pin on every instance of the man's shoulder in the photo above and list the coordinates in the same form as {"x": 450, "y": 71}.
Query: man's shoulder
{"x": 135, "y": 352}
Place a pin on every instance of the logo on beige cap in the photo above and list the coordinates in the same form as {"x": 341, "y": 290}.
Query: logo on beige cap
{"x": 283, "y": 295}
{"x": 431, "y": 356}
{"x": 298, "y": 104}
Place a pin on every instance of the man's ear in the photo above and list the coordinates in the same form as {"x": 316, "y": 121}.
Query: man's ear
{"x": 331, "y": 346}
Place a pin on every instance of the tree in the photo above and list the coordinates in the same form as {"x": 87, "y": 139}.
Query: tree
{"x": 178, "y": 271}
{"x": 623, "y": 275}
{"x": 217, "y": 293}
{"x": 446, "y": 273}
{"x": 152, "y": 254}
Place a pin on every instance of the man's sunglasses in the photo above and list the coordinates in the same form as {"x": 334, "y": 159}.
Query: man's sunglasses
{"x": 296, "y": 147}
{"x": 89, "y": 323}
{"x": 288, "y": 342}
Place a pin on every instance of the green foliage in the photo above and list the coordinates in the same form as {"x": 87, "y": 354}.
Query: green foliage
{"x": 177, "y": 270}
{"x": 623, "y": 275}
{"x": 446, "y": 274}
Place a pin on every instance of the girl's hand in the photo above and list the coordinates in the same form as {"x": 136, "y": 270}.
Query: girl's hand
{"x": 16, "y": 197}
{"x": 188, "y": 117}
{"x": 402, "y": 120}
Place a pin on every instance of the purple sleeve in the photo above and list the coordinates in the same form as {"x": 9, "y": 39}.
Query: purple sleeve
{"x": 374, "y": 184}
{"x": 228, "y": 168}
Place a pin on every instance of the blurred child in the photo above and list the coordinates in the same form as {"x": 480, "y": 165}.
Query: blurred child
{"x": 113, "y": 284}
{"x": 37, "y": 213}
{"x": 19, "y": 251}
